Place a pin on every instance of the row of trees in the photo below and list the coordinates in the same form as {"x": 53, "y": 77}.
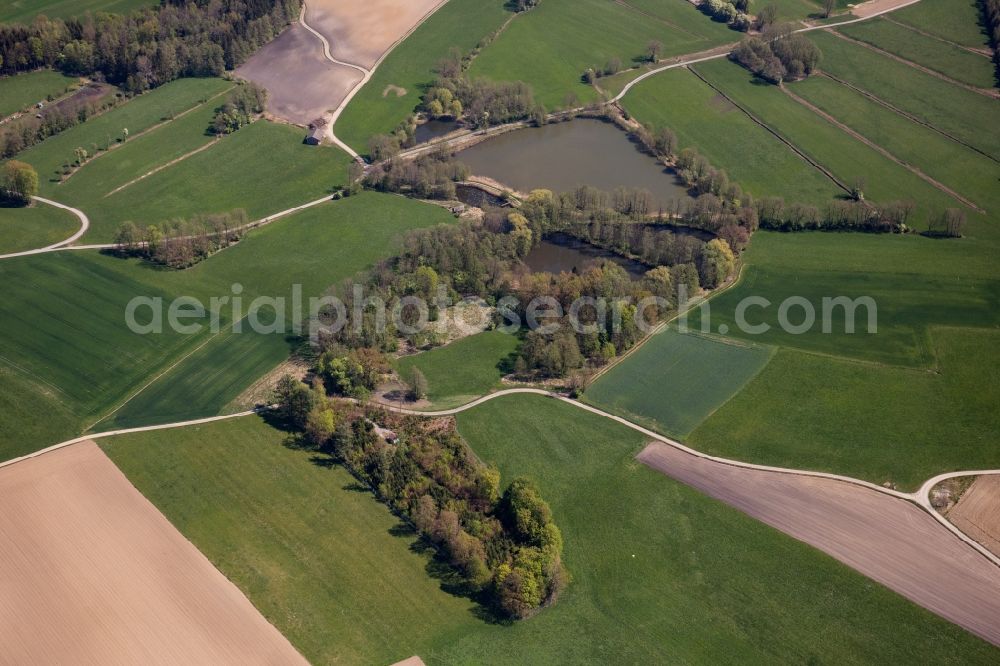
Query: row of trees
{"x": 24, "y": 132}
{"x": 430, "y": 176}
{"x": 778, "y": 54}
{"x": 147, "y": 48}
{"x": 838, "y": 215}
{"x": 181, "y": 243}
{"x": 505, "y": 547}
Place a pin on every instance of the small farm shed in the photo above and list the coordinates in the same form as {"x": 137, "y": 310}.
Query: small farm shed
{"x": 317, "y": 129}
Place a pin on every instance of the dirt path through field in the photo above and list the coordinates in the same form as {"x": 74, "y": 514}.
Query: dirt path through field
{"x": 892, "y": 542}
{"x": 985, "y": 52}
{"x": 879, "y": 149}
{"x": 92, "y": 573}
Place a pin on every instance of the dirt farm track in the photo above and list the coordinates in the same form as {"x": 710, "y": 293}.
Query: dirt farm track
{"x": 92, "y": 573}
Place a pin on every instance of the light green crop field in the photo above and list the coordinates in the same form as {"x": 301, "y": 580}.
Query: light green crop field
{"x": 135, "y": 115}
{"x": 659, "y": 570}
{"x": 957, "y": 21}
{"x": 969, "y": 173}
{"x": 706, "y": 121}
{"x": 38, "y": 226}
{"x": 264, "y": 168}
{"x": 847, "y": 157}
{"x": 463, "y": 370}
{"x": 377, "y": 109}
{"x": 23, "y": 11}
{"x": 24, "y": 90}
{"x": 65, "y": 312}
{"x": 948, "y": 59}
{"x": 676, "y": 380}
{"x": 915, "y": 283}
{"x": 873, "y": 422}
{"x": 551, "y": 45}
{"x": 970, "y": 117}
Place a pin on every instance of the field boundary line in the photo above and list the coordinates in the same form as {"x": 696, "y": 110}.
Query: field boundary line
{"x": 165, "y": 166}
{"x": 912, "y": 118}
{"x": 658, "y": 19}
{"x": 879, "y": 149}
{"x": 795, "y": 149}
{"x": 991, "y": 93}
{"x": 151, "y": 128}
{"x": 984, "y": 52}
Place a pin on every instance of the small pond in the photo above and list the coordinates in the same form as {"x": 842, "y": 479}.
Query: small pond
{"x": 561, "y": 252}
{"x": 562, "y": 156}
{"x": 433, "y": 129}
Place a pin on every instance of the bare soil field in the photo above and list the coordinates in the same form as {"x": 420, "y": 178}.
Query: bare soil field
{"x": 978, "y": 512}
{"x": 360, "y": 31}
{"x": 887, "y": 539}
{"x": 304, "y": 85}
{"x": 92, "y": 573}
{"x": 873, "y": 7}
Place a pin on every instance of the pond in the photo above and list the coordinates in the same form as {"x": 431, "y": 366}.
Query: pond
{"x": 433, "y": 129}
{"x": 561, "y": 252}
{"x": 562, "y": 156}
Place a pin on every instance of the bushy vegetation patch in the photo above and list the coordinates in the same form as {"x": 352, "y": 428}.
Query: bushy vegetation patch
{"x": 778, "y": 54}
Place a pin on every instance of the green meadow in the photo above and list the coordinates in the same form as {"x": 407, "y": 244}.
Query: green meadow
{"x": 957, "y": 63}
{"x": 551, "y": 45}
{"x": 847, "y": 157}
{"x": 659, "y": 571}
{"x": 23, "y": 11}
{"x": 676, "y": 380}
{"x": 136, "y": 115}
{"x": 66, "y": 329}
{"x": 957, "y": 21}
{"x": 961, "y": 113}
{"x": 36, "y": 226}
{"x": 870, "y": 421}
{"x": 464, "y": 369}
{"x": 706, "y": 121}
{"x": 24, "y": 90}
{"x": 377, "y": 108}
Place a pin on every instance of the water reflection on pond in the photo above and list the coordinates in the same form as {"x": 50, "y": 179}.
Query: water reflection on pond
{"x": 433, "y": 129}
{"x": 562, "y": 156}
{"x": 561, "y": 252}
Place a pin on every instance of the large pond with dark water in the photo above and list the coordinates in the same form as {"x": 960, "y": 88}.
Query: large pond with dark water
{"x": 562, "y": 156}
{"x": 560, "y": 252}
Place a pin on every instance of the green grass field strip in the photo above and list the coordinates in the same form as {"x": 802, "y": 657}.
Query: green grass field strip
{"x": 660, "y": 569}
{"x": 38, "y": 226}
{"x": 954, "y": 62}
{"x": 949, "y": 76}
{"x": 843, "y": 155}
{"x": 264, "y": 168}
{"x": 945, "y": 160}
{"x": 23, "y": 90}
{"x": 464, "y": 369}
{"x": 136, "y": 115}
{"x": 410, "y": 66}
{"x": 704, "y": 120}
{"x": 915, "y": 282}
{"x": 151, "y": 149}
{"x": 23, "y": 11}
{"x": 978, "y": 50}
{"x": 957, "y": 21}
{"x": 551, "y": 46}
{"x": 952, "y": 109}
{"x": 676, "y": 380}
{"x": 959, "y": 199}
{"x": 875, "y": 423}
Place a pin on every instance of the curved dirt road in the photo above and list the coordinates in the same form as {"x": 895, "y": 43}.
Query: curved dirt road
{"x": 84, "y": 225}
{"x": 892, "y": 537}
